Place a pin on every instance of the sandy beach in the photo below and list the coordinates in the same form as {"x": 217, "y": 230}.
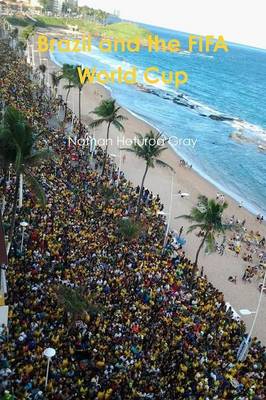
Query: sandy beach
{"x": 242, "y": 295}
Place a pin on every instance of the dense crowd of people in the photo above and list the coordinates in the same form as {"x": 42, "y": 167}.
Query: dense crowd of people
{"x": 154, "y": 334}
{"x": 248, "y": 245}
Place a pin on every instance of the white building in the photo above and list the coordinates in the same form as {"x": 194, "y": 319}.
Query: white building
{"x": 56, "y": 6}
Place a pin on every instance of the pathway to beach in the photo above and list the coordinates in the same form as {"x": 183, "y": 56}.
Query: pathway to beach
{"x": 242, "y": 295}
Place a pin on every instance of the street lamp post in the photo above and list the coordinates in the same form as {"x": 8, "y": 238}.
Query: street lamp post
{"x": 119, "y": 167}
{"x": 24, "y": 225}
{"x": 20, "y": 191}
{"x": 28, "y": 53}
{"x": 45, "y": 60}
{"x": 92, "y": 145}
{"x": 120, "y": 158}
{"x": 172, "y": 195}
{"x": 243, "y": 350}
{"x": 73, "y": 114}
{"x": 49, "y": 353}
{"x": 32, "y": 56}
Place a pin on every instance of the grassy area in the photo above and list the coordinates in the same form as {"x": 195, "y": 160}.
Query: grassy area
{"x": 125, "y": 30}
{"x": 18, "y": 21}
{"x": 83, "y": 24}
{"x": 118, "y": 30}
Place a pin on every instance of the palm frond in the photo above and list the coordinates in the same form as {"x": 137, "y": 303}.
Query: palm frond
{"x": 97, "y": 123}
{"x": 129, "y": 149}
{"x": 39, "y": 156}
{"x": 118, "y": 126}
{"x": 75, "y": 302}
{"x": 195, "y": 226}
{"x": 35, "y": 187}
{"x": 55, "y": 78}
{"x": 107, "y": 112}
{"x": 121, "y": 118}
{"x": 129, "y": 229}
{"x": 207, "y": 216}
{"x": 148, "y": 148}
{"x": 164, "y": 164}
{"x": 68, "y": 86}
{"x": 42, "y": 68}
{"x": 186, "y": 216}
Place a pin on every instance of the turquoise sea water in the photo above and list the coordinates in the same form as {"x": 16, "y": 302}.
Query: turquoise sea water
{"x": 223, "y": 106}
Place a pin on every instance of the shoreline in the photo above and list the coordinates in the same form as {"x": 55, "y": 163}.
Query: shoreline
{"x": 247, "y": 205}
{"x": 233, "y": 196}
{"x": 217, "y": 268}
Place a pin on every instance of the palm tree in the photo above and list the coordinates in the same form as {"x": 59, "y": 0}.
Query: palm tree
{"x": 75, "y": 303}
{"x": 148, "y": 148}
{"x": 21, "y": 47}
{"x": 3, "y": 256}
{"x": 74, "y": 82}
{"x": 108, "y": 113}
{"x": 14, "y": 36}
{"x": 18, "y": 147}
{"x": 4, "y": 167}
{"x": 42, "y": 68}
{"x": 108, "y": 194}
{"x": 129, "y": 229}
{"x": 207, "y": 217}
{"x": 28, "y": 32}
{"x": 67, "y": 73}
{"x": 55, "y": 82}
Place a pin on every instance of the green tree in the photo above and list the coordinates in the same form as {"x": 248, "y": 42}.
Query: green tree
{"x": 148, "y": 148}
{"x": 28, "y": 32}
{"x": 55, "y": 82}
{"x": 42, "y": 68}
{"x": 86, "y": 11}
{"x": 101, "y": 16}
{"x": 4, "y": 166}
{"x": 75, "y": 303}
{"x": 47, "y": 4}
{"x": 107, "y": 112}
{"x": 94, "y": 15}
{"x": 70, "y": 73}
{"x": 108, "y": 193}
{"x": 75, "y": 81}
{"x": 14, "y": 37}
{"x": 208, "y": 217}
{"x": 69, "y": 5}
{"x": 67, "y": 73}
{"x": 18, "y": 147}
{"x": 129, "y": 229}
{"x": 22, "y": 47}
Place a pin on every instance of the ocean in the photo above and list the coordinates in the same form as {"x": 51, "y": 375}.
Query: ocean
{"x": 222, "y": 107}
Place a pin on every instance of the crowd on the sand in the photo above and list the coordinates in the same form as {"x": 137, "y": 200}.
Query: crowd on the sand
{"x": 155, "y": 335}
{"x": 250, "y": 246}
{"x": 247, "y": 244}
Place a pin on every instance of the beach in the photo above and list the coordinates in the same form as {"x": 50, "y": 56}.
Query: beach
{"x": 242, "y": 295}
{"x": 97, "y": 299}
